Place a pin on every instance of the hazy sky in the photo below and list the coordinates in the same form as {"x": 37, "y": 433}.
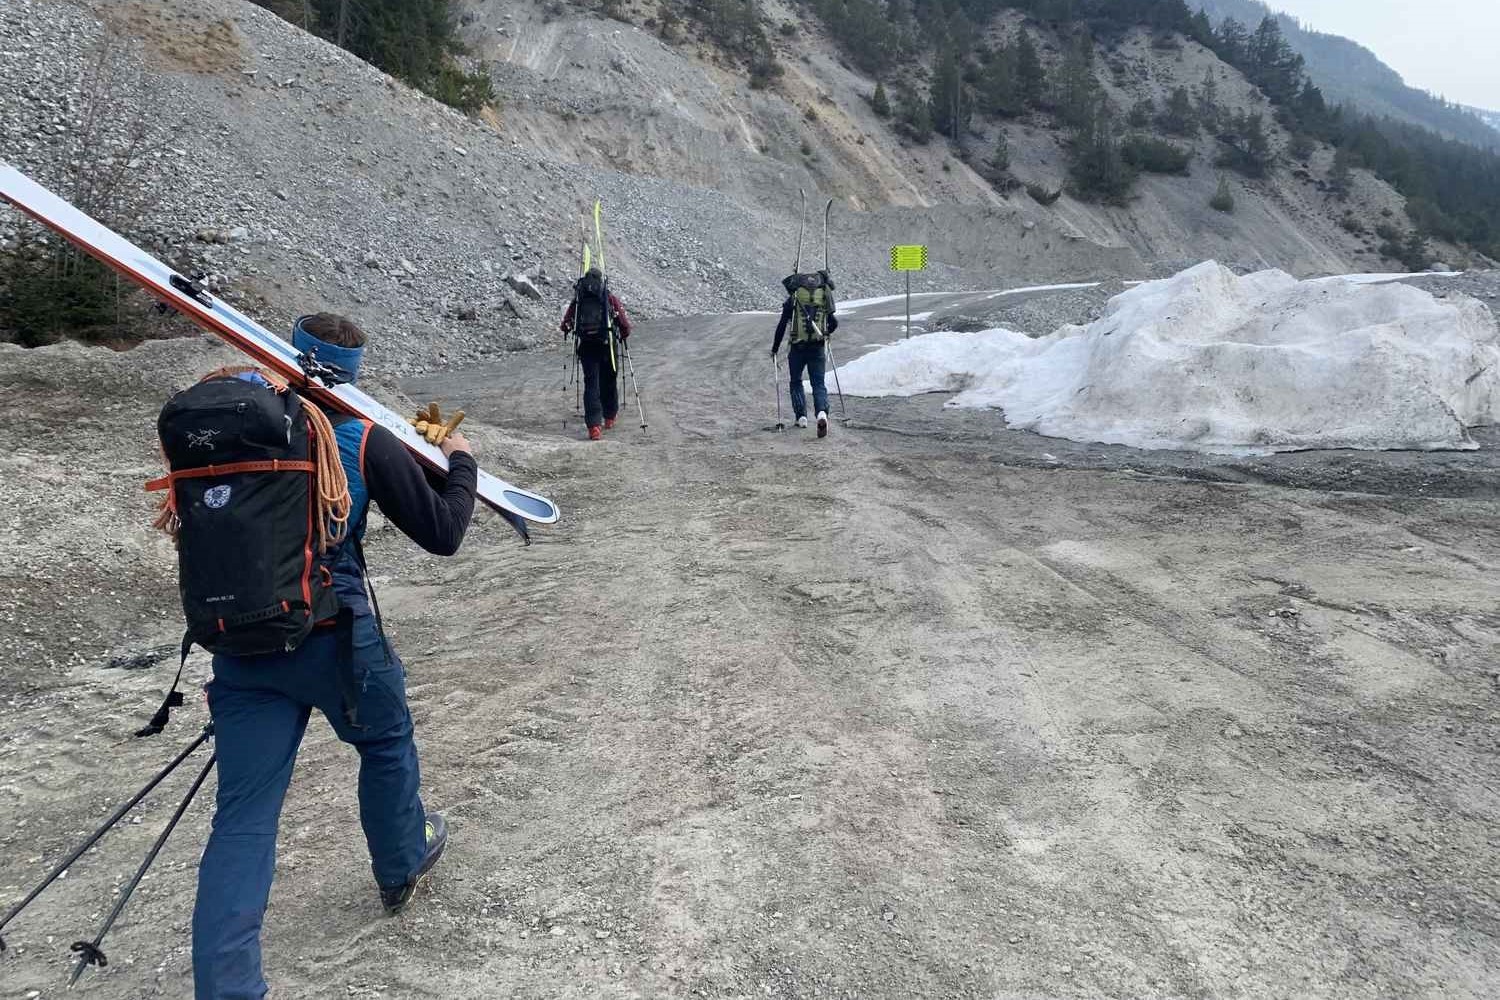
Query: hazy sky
{"x": 1450, "y": 47}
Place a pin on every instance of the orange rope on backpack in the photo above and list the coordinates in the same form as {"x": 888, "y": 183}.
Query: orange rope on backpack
{"x": 329, "y": 479}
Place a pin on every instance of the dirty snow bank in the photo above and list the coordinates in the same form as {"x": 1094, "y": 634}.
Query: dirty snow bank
{"x": 1211, "y": 362}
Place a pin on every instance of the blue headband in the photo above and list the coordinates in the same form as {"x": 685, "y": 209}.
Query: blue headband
{"x": 347, "y": 358}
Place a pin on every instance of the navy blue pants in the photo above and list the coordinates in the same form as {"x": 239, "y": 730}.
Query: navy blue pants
{"x": 260, "y": 707}
{"x": 809, "y": 356}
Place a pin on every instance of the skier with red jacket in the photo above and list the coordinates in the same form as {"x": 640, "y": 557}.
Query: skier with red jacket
{"x": 600, "y": 328}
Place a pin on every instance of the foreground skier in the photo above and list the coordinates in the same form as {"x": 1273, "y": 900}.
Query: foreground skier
{"x": 260, "y": 704}
{"x": 809, "y": 310}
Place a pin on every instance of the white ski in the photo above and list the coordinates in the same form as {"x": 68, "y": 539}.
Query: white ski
{"x": 264, "y": 347}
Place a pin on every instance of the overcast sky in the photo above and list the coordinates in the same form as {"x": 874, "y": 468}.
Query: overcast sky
{"x": 1450, "y": 47}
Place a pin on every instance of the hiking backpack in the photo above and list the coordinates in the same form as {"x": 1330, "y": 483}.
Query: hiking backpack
{"x": 591, "y": 318}
{"x": 248, "y": 473}
{"x": 812, "y": 295}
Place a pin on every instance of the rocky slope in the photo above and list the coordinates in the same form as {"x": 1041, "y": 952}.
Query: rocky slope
{"x": 303, "y": 178}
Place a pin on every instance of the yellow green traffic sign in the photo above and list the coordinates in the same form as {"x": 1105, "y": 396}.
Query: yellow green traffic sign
{"x": 909, "y": 258}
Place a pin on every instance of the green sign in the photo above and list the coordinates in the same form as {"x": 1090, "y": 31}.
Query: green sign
{"x": 909, "y": 258}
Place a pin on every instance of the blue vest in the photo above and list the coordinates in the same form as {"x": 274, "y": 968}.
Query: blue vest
{"x": 348, "y": 574}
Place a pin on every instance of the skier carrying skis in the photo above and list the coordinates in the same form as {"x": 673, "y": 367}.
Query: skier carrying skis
{"x": 809, "y": 311}
{"x": 260, "y": 704}
{"x": 600, "y": 329}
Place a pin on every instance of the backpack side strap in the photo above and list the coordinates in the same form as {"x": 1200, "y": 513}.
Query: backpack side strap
{"x": 174, "y": 697}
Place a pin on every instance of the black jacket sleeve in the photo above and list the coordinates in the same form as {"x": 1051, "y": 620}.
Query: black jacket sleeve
{"x": 786, "y": 317}
{"x": 434, "y": 515}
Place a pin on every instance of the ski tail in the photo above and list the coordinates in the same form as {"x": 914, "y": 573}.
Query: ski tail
{"x": 827, "y": 211}
{"x": 801, "y": 227}
{"x": 599, "y": 230}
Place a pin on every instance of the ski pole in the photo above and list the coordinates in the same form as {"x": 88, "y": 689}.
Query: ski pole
{"x": 776, "y": 382}
{"x": 94, "y": 838}
{"x": 828, "y": 346}
{"x": 630, "y": 366}
{"x": 89, "y": 952}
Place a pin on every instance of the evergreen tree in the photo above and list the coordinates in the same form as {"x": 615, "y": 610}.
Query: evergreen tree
{"x": 1076, "y": 88}
{"x": 1179, "y": 117}
{"x": 1341, "y": 176}
{"x": 1097, "y": 168}
{"x": 951, "y": 106}
{"x": 1210, "y": 114}
{"x": 1030, "y": 73}
{"x": 414, "y": 40}
{"x": 1272, "y": 64}
{"x": 1302, "y": 147}
{"x": 1223, "y": 199}
{"x": 1001, "y": 83}
{"x": 1142, "y": 113}
{"x": 1232, "y": 41}
{"x": 915, "y": 117}
{"x": 1310, "y": 109}
{"x": 1247, "y": 148}
{"x": 879, "y": 103}
{"x": 1202, "y": 30}
{"x": 1000, "y": 158}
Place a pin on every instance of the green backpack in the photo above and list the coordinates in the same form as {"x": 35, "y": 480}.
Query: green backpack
{"x": 812, "y": 298}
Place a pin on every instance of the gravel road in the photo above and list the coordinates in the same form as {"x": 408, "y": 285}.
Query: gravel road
{"x": 926, "y": 709}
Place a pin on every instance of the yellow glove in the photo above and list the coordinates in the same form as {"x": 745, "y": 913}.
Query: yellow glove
{"x": 430, "y": 424}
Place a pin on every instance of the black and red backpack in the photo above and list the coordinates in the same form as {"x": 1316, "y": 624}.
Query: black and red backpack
{"x": 256, "y": 498}
{"x": 591, "y": 313}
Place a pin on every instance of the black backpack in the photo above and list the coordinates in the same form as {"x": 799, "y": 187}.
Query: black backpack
{"x": 244, "y": 489}
{"x": 244, "y": 494}
{"x": 591, "y": 319}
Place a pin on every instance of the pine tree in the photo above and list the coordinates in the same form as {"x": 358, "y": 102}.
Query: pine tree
{"x": 1002, "y": 84}
{"x": 1077, "y": 89}
{"x": 915, "y": 116}
{"x": 951, "y": 107}
{"x": 1202, "y": 30}
{"x": 1232, "y": 41}
{"x": 1000, "y": 159}
{"x": 1179, "y": 117}
{"x": 1097, "y": 167}
{"x": 1209, "y": 112}
{"x": 1341, "y": 176}
{"x": 1223, "y": 199}
{"x": 879, "y": 103}
{"x": 1248, "y": 147}
{"x": 1142, "y": 113}
{"x": 1030, "y": 73}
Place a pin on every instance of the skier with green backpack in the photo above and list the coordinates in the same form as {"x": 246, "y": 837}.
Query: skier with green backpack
{"x": 809, "y": 314}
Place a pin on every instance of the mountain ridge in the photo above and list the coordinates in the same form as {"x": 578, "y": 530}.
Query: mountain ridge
{"x": 1349, "y": 72}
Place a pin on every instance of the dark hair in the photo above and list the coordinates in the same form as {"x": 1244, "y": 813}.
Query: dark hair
{"x": 331, "y": 328}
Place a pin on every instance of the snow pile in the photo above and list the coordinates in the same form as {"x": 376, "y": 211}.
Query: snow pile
{"x": 1211, "y": 362}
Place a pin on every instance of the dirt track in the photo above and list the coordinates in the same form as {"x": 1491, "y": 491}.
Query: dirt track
{"x": 924, "y": 709}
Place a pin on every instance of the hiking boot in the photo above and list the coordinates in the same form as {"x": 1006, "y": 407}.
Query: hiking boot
{"x": 595, "y": 434}
{"x": 437, "y": 838}
{"x": 822, "y": 424}
{"x": 609, "y": 423}
{"x": 801, "y": 421}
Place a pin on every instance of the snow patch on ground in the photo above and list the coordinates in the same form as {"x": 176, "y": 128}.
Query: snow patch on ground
{"x": 1386, "y": 278}
{"x": 1211, "y": 362}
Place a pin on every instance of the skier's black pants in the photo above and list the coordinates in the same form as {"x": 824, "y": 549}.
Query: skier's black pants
{"x": 601, "y": 382}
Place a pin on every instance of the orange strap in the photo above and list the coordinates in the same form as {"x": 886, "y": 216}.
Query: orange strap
{"x": 207, "y": 471}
